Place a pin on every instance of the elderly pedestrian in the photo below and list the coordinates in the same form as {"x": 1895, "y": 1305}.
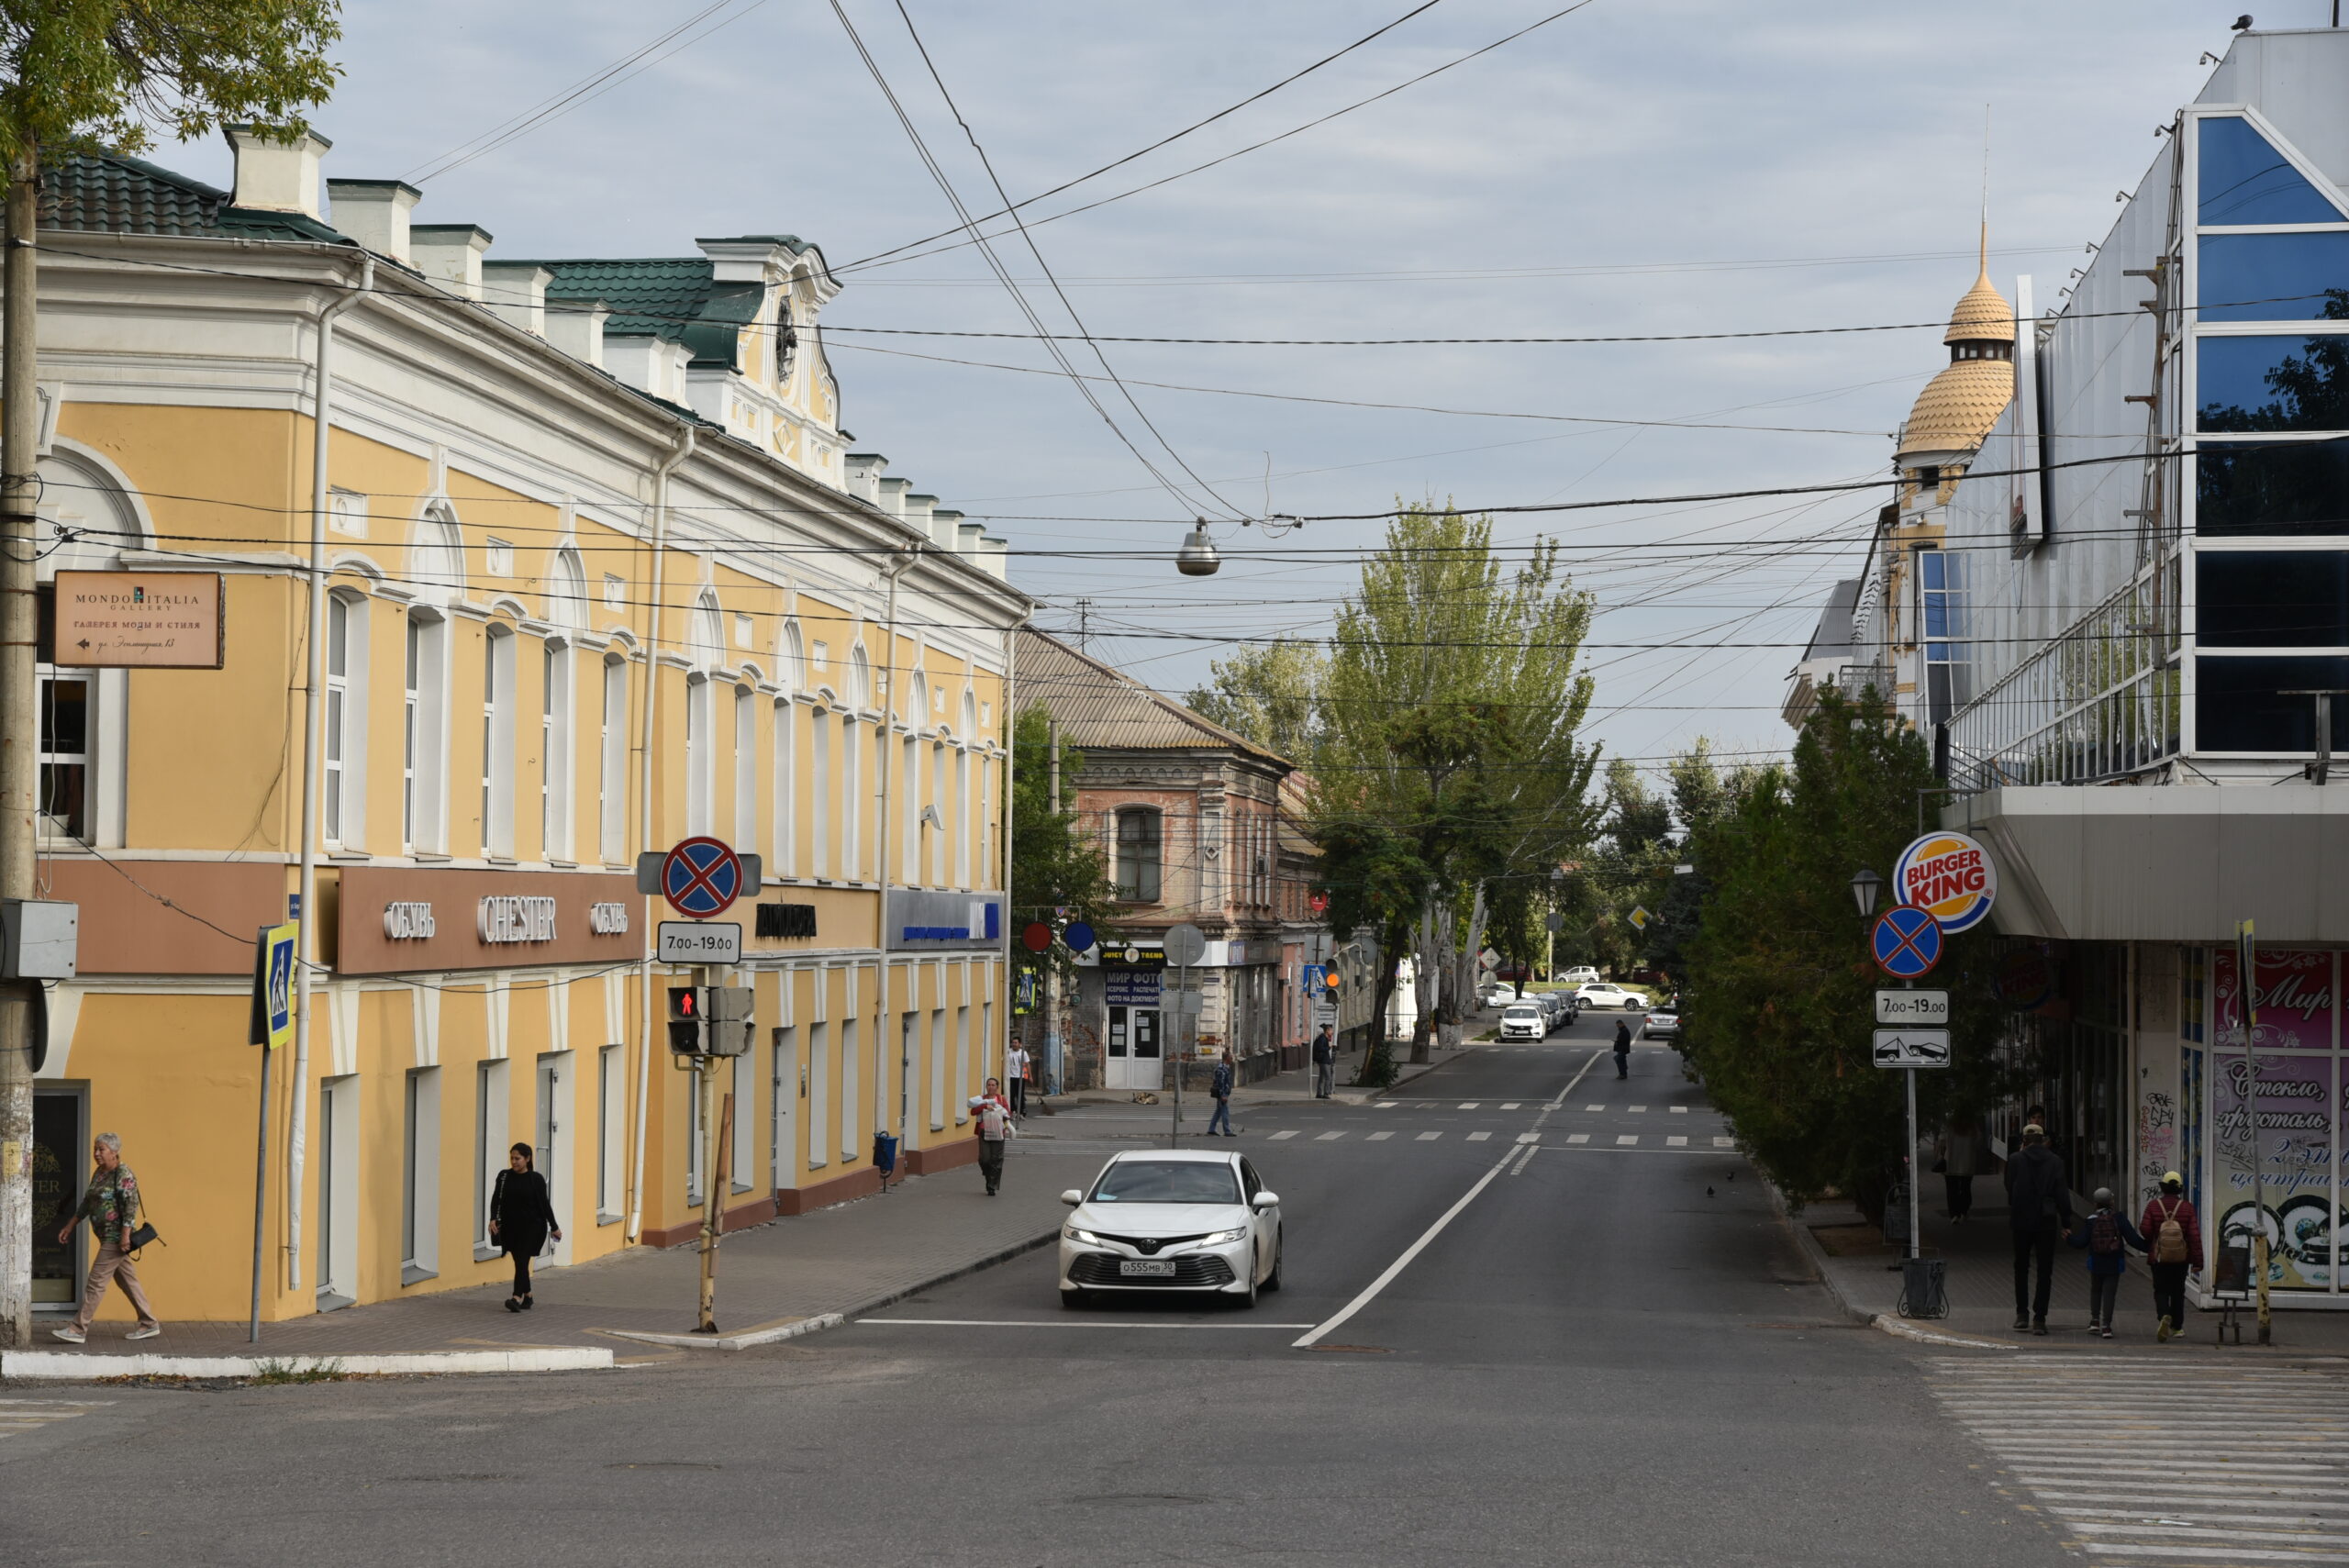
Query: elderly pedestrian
{"x": 521, "y": 1218}
{"x": 2173, "y": 1247}
{"x": 111, "y": 1206}
{"x": 993, "y": 1114}
{"x": 2039, "y": 1212}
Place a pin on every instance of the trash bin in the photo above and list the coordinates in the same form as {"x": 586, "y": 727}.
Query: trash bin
{"x": 1924, "y": 1287}
{"x": 885, "y": 1153}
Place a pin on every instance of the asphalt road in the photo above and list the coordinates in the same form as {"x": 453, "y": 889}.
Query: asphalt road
{"x": 1610, "y": 1354}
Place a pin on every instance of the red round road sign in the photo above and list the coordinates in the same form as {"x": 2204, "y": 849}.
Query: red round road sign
{"x": 701, "y": 878}
{"x": 1035, "y": 936}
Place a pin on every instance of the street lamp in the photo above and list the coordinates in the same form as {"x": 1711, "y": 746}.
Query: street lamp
{"x": 1198, "y": 558}
{"x": 1864, "y": 885}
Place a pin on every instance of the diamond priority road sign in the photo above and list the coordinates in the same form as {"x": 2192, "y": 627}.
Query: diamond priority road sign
{"x": 1907, "y": 942}
{"x": 1912, "y": 1048}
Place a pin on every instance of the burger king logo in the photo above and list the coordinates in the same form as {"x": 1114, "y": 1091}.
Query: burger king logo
{"x": 1949, "y": 875}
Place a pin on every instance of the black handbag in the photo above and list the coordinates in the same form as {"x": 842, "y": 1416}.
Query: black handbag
{"x": 143, "y": 1232}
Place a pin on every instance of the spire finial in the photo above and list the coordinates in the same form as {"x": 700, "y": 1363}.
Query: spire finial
{"x": 1986, "y": 190}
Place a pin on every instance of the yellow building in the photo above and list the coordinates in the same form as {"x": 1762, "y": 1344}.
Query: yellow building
{"x": 600, "y": 576}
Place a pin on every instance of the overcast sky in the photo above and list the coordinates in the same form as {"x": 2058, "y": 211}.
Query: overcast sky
{"x": 1640, "y": 166}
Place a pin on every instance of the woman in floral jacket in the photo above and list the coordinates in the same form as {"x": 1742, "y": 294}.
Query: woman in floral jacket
{"x": 111, "y": 1206}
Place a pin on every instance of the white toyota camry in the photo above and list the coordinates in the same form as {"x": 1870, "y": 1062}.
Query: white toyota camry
{"x": 1172, "y": 1219}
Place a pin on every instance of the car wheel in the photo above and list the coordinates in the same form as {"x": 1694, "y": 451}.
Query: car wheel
{"x": 1280, "y": 1254}
{"x": 1074, "y": 1301}
{"x": 1248, "y": 1296}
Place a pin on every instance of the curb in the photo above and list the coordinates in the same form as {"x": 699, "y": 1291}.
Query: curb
{"x": 835, "y": 1319}
{"x": 64, "y": 1366}
{"x": 1903, "y": 1330}
{"x": 1814, "y": 1254}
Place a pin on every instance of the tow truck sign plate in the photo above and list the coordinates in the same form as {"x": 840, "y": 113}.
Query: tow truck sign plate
{"x": 1912, "y": 1007}
{"x": 1912, "y": 1048}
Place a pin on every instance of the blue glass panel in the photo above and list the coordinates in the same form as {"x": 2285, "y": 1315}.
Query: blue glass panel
{"x": 2240, "y": 705}
{"x": 2271, "y": 487}
{"x": 2275, "y": 277}
{"x": 1936, "y": 615}
{"x": 2296, "y": 598}
{"x": 1934, "y": 566}
{"x": 2245, "y": 179}
{"x": 2273, "y": 384}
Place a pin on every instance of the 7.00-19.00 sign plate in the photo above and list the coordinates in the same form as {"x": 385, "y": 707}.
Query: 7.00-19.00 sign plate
{"x": 699, "y": 941}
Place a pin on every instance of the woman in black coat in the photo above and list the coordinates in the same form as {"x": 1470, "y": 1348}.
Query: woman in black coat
{"x": 521, "y": 1219}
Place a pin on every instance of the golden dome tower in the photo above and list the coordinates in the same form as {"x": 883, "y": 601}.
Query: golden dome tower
{"x": 1957, "y": 407}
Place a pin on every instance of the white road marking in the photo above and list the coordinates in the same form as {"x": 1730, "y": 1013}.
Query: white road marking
{"x": 1675, "y": 1144}
{"x": 1327, "y": 1137}
{"x": 1510, "y": 1105}
{"x": 1528, "y": 1138}
{"x": 1388, "y": 1105}
{"x": 1637, "y": 1109}
{"x": 1724, "y": 1143}
{"x": 30, "y": 1414}
{"x": 1627, "y": 1140}
{"x": 1469, "y": 1104}
{"x": 1428, "y": 1136}
{"x": 1679, "y": 1110}
{"x": 1571, "y": 1082}
{"x": 1594, "y": 1108}
{"x": 1377, "y": 1136}
{"x": 1370, "y": 1292}
{"x": 1478, "y": 1136}
{"x": 1525, "y": 1159}
{"x": 2098, "y": 1448}
{"x": 1289, "y": 1133}
{"x": 1058, "y": 1323}
{"x": 1577, "y": 1138}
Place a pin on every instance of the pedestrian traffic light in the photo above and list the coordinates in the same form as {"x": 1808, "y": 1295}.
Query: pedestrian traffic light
{"x": 729, "y": 1010}
{"x": 685, "y": 1010}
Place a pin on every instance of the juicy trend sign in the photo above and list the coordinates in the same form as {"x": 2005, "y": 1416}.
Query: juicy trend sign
{"x": 1951, "y": 876}
{"x": 1907, "y": 942}
{"x": 701, "y": 877}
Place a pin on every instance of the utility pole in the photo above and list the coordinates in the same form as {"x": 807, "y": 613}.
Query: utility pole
{"x": 19, "y": 737}
{"x": 1051, "y": 970}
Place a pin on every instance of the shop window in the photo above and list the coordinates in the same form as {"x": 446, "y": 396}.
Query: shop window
{"x": 2274, "y": 277}
{"x": 2272, "y": 382}
{"x": 2241, "y": 703}
{"x": 1139, "y": 849}
{"x": 2271, "y": 488}
{"x": 2245, "y": 179}
{"x": 2296, "y": 598}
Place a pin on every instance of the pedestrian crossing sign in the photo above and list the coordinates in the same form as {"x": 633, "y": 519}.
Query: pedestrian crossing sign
{"x": 274, "y": 961}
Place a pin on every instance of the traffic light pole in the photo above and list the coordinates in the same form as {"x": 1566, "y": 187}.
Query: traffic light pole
{"x": 720, "y": 1169}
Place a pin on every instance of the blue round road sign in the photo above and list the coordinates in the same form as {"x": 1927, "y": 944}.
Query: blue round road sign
{"x": 1078, "y": 936}
{"x": 701, "y": 878}
{"x": 1906, "y": 940}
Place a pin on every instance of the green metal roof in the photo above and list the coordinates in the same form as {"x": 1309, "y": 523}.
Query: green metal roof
{"x": 112, "y": 193}
{"x": 675, "y": 298}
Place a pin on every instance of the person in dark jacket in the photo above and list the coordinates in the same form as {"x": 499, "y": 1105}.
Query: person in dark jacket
{"x": 2039, "y": 1210}
{"x": 1219, "y": 1088}
{"x": 2169, "y": 1269}
{"x": 521, "y": 1219}
{"x": 2108, "y": 1236}
{"x": 1622, "y": 1047}
{"x": 2035, "y": 1116}
{"x": 1325, "y": 1063}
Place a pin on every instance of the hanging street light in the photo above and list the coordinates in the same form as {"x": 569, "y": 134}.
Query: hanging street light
{"x": 1198, "y": 558}
{"x": 1863, "y": 887}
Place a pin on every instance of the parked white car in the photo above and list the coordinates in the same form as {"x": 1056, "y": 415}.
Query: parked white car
{"x": 1606, "y": 994}
{"x": 1524, "y": 1020}
{"x": 1583, "y": 976}
{"x": 1172, "y": 1220}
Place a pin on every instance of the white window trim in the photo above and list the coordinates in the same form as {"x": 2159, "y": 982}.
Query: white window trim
{"x": 746, "y": 771}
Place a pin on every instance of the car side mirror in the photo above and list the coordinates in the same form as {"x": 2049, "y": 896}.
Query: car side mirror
{"x": 1264, "y": 1201}
{"x": 1072, "y": 1197}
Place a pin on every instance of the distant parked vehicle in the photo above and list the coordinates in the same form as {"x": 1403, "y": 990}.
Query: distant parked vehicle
{"x": 1664, "y": 1023}
{"x": 1602, "y": 993}
{"x": 1582, "y": 975}
{"x": 1524, "y": 1020}
{"x": 1496, "y": 995}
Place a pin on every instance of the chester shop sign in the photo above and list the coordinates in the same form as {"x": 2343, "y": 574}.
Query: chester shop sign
{"x": 401, "y": 919}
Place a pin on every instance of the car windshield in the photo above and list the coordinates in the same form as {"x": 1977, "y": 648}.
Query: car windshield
{"x": 1522, "y": 1012}
{"x": 1166, "y": 1181}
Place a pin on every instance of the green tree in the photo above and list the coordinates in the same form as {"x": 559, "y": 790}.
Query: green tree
{"x": 1055, "y": 867}
{"x": 1269, "y": 693}
{"x": 74, "y": 75}
{"x": 1779, "y": 1007}
{"x": 1450, "y": 716}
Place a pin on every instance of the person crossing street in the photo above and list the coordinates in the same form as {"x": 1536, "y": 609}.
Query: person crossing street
{"x": 2172, "y": 1235}
{"x": 1219, "y": 1087}
{"x": 1622, "y": 1047}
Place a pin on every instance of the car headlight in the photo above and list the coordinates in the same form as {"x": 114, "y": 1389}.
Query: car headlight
{"x": 1090, "y": 1240}
{"x": 1222, "y": 1237}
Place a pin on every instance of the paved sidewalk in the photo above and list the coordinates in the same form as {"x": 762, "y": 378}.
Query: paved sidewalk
{"x": 1981, "y": 1286}
{"x": 1280, "y": 1087}
{"x": 839, "y": 1259}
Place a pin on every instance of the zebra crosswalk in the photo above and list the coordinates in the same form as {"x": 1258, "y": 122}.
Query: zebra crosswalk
{"x": 1623, "y": 1140}
{"x": 31, "y": 1414}
{"x": 2158, "y": 1461}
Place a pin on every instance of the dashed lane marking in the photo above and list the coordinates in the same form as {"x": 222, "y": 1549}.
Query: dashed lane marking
{"x": 1577, "y": 1138}
{"x": 1627, "y": 1140}
{"x": 1680, "y": 1110}
{"x": 1478, "y": 1136}
{"x": 1470, "y": 1105}
{"x": 1327, "y": 1137}
{"x": 1428, "y": 1137}
{"x": 1509, "y": 1104}
{"x": 1377, "y": 1136}
{"x": 1724, "y": 1143}
{"x": 1594, "y": 1108}
{"x": 1675, "y": 1144}
{"x": 1635, "y": 1110}
{"x": 1290, "y": 1132}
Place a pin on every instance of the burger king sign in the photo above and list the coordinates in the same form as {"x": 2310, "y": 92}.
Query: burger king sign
{"x": 1949, "y": 875}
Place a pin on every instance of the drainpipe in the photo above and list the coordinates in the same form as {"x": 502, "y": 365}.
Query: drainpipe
{"x": 882, "y": 846}
{"x": 686, "y": 440}
{"x": 313, "y": 744}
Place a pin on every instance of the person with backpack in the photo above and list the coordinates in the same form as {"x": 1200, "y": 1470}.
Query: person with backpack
{"x": 992, "y": 1112}
{"x": 2174, "y": 1246}
{"x": 2039, "y": 1210}
{"x": 1219, "y": 1086}
{"x": 2108, "y": 1238}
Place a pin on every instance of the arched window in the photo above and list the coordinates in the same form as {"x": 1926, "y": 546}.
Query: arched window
{"x": 611, "y": 804}
{"x": 793, "y": 651}
{"x": 436, "y": 556}
{"x": 701, "y": 702}
{"x": 567, "y": 591}
{"x": 497, "y": 732}
{"x": 709, "y": 650}
{"x": 424, "y": 737}
{"x": 1138, "y": 855}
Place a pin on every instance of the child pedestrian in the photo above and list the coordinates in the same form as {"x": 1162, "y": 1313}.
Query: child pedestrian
{"x": 2108, "y": 1236}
